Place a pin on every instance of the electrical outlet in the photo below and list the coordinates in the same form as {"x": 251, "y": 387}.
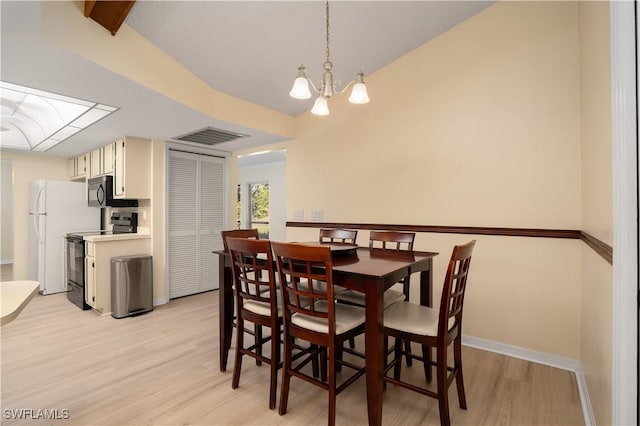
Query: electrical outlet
{"x": 316, "y": 215}
{"x": 298, "y": 214}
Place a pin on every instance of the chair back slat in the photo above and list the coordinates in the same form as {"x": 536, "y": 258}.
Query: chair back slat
{"x": 345, "y": 236}
{"x": 392, "y": 240}
{"x": 253, "y": 273}
{"x": 296, "y": 263}
{"x": 238, "y": 233}
{"x": 455, "y": 284}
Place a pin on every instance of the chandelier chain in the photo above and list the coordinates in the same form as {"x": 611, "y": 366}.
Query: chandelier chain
{"x": 327, "y": 18}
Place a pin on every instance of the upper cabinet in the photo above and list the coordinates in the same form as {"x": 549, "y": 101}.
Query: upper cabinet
{"x": 132, "y": 168}
{"x": 77, "y": 167}
{"x": 101, "y": 161}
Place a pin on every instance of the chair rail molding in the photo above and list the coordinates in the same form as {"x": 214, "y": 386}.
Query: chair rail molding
{"x": 600, "y": 247}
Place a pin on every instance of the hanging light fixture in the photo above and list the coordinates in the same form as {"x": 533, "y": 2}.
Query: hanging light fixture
{"x": 300, "y": 89}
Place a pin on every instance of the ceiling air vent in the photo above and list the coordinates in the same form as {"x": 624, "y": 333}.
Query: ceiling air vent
{"x": 210, "y": 136}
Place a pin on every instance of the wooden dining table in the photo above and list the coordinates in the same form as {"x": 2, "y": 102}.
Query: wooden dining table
{"x": 367, "y": 270}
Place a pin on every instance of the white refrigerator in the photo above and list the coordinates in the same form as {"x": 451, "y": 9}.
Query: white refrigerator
{"x": 55, "y": 209}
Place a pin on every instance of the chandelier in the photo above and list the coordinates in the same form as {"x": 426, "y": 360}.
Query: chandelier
{"x": 300, "y": 89}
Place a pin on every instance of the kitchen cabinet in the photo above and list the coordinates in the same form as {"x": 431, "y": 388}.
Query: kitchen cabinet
{"x": 90, "y": 281}
{"x": 101, "y": 161}
{"x": 77, "y": 167}
{"x": 99, "y": 251}
{"x": 132, "y": 168}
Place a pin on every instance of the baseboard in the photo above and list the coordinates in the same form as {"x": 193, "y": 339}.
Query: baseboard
{"x": 540, "y": 358}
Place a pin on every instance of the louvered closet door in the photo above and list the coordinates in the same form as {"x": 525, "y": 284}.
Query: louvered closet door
{"x": 211, "y": 218}
{"x": 196, "y": 217}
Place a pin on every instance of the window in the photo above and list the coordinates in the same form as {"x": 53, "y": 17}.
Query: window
{"x": 259, "y": 208}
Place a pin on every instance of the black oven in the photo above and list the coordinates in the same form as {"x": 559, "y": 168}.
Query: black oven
{"x": 75, "y": 271}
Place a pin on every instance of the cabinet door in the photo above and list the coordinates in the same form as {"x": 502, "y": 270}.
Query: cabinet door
{"x": 90, "y": 281}
{"x": 95, "y": 160}
{"x": 71, "y": 167}
{"x": 118, "y": 168}
{"x": 81, "y": 165}
{"x": 107, "y": 159}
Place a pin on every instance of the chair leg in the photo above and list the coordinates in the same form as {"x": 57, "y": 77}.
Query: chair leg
{"x": 457, "y": 363}
{"x": 331, "y": 421}
{"x": 275, "y": 360}
{"x": 426, "y": 356}
{"x": 441, "y": 378}
{"x": 286, "y": 376}
{"x": 352, "y": 343}
{"x": 397, "y": 359}
{"x": 323, "y": 364}
{"x": 407, "y": 350}
{"x": 258, "y": 335}
{"x": 237, "y": 366}
{"x": 315, "y": 366}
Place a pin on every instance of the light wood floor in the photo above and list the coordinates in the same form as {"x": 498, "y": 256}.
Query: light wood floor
{"x": 161, "y": 368}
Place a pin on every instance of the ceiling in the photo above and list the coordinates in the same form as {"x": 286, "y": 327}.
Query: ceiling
{"x": 248, "y": 49}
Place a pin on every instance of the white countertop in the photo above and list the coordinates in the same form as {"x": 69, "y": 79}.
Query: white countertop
{"x": 15, "y": 296}
{"x": 141, "y": 234}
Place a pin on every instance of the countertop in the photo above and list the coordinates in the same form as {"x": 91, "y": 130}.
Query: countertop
{"x": 15, "y": 296}
{"x": 141, "y": 234}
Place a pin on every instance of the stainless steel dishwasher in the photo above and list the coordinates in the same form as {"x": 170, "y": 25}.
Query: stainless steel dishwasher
{"x": 131, "y": 285}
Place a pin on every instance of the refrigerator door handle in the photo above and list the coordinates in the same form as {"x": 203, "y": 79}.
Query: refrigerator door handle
{"x": 36, "y": 225}
{"x": 36, "y": 201}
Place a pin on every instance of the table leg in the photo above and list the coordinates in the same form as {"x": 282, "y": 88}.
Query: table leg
{"x": 374, "y": 348}
{"x": 426, "y": 299}
{"x": 426, "y": 286}
{"x": 225, "y": 295}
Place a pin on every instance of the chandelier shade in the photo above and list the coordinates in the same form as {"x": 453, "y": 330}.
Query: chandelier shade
{"x": 301, "y": 89}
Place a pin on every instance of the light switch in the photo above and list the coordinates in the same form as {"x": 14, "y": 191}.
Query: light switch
{"x": 316, "y": 215}
{"x": 298, "y": 214}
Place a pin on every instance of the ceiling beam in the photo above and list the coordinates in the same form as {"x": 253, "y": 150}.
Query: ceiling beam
{"x": 109, "y": 14}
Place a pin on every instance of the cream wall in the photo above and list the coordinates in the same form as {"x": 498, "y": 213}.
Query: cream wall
{"x": 597, "y": 202}
{"x": 479, "y": 127}
{"x": 6, "y": 216}
{"x": 157, "y": 228}
{"x": 27, "y": 168}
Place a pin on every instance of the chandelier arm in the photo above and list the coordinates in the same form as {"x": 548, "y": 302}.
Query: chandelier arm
{"x": 313, "y": 86}
{"x": 344, "y": 89}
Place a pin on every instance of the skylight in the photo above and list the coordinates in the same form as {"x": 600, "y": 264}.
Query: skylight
{"x": 35, "y": 120}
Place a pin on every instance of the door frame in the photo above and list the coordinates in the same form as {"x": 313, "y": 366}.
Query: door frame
{"x": 624, "y": 345}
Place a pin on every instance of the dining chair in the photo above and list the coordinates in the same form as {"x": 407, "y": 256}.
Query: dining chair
{"x": 252, "y": 234}
{"x": 312, "y": 315}
{"x": 256, "y": 302}
{"x": 434, "y": 328}
{"x": 238, "y": 233}
{"x": 339, "y": 236}
{"x": 386, "y": 240}
{"x": 336, "y": 235}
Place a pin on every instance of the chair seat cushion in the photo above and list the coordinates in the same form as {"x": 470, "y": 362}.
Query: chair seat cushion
{"x": 347, "y": 318}
{"x": 357, "y": 298}
{"x": 263, "y": 308}
{"x": 413, "y": 318}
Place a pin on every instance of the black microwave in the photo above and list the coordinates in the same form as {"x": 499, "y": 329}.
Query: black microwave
{"x": 100, "y": 194}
